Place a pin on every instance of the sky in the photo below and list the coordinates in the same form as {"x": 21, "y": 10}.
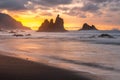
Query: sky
{"x": 104, "y": 14}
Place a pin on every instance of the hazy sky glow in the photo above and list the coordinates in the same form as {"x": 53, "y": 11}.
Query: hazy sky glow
{"x": 105, "y": 14}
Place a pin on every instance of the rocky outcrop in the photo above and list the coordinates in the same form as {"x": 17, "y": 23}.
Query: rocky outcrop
{"x": 47, "y": 26}
{"x": 9, "y": 23}
{"x": 88, "y": 27}
{"x": 105, "y": 36}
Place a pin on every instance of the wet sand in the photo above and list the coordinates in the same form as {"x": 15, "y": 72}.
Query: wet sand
{"x": 17, "y": 69}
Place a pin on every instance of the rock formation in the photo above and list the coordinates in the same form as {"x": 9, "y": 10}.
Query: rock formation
{"x": 47, "y": 26}
{"x": 105, "y": 36}
{"x": 88, "y": 27}
{"x": 9, "y": 23}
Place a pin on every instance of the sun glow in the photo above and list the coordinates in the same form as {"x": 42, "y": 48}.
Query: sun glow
{"x": 32, "y": 25}
{"x": 70, "y": 23}
{"x": 30, "y": 22}
{"x": 33, "y": 13}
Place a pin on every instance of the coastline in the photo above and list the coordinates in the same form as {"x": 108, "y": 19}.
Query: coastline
{"x": 18, "y": 69}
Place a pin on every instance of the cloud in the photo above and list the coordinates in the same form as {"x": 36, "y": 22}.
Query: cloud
{"x": 51, "y": 2}
{"x": 98, "y": 1}
{"x": 114, "y": 6}
{"x": 101, "y": 4}
{"x": 31, "y": 4}
{"x": 90, "y": 7}
{"x": 102, "y": 1}
{"x": 75, "y": 11}
{"x": 46, "y": 14}
{"x": 79, "y": 8}
{"x": 63, "y": 8}
{"x": 13, "y": 4}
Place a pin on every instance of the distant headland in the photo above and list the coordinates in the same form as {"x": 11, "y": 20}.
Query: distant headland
{"x": 9, "y": 23}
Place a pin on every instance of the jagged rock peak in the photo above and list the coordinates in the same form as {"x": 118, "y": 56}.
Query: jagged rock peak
{"x": 51, "y": 21}
{"x": 88, "y": 27}
{"x": 59, "y": 20}
{"x": 58, "y": 26}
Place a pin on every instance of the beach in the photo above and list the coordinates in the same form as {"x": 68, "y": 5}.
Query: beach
{"x": 60, "y": 56}
{"x": 12, "y": 68}
{"x": 59, "y": 40}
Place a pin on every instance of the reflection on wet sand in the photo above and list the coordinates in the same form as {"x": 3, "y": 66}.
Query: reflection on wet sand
{"x": 65, "y": 54}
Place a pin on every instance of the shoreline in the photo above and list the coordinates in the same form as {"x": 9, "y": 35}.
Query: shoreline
{"x": 12, "y": 68}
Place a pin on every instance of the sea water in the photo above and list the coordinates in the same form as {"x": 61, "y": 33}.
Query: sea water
{"x": 75, "y": 50}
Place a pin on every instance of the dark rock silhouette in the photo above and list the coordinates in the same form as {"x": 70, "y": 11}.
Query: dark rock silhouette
{"x": 88, "y": 27}
{"x": 44, "y": 26}
{"x": 9, "y": 23}
{"x": 18, "y": 35}
{"x": 105, "y": 36}
{"x": 47, "y": 26}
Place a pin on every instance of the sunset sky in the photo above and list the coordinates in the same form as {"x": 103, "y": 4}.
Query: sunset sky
{"x": 104, "y": 14}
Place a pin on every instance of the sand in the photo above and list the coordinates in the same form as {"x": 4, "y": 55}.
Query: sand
{"x": 12, "y": 68}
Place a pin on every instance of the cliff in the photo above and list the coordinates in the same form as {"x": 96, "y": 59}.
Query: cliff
{"x": 8, "y": 23}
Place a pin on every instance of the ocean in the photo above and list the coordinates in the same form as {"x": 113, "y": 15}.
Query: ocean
{"x": 75, "y": 50}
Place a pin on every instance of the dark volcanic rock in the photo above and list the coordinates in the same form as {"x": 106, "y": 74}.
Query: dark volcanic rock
{"x": 59, "y": 24}
{"x": 88, "y": 27}
{"x": 47, "y": 26}
{"x": 105, "y": 36}
{"x": 18, "y": 35}
{"x": 8, "y": 23}
{"x": 44, "y": 26}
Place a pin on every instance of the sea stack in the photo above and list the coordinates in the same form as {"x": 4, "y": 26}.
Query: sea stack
{"x": 88, "y": 27}
{"x": 58, "y": 26}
